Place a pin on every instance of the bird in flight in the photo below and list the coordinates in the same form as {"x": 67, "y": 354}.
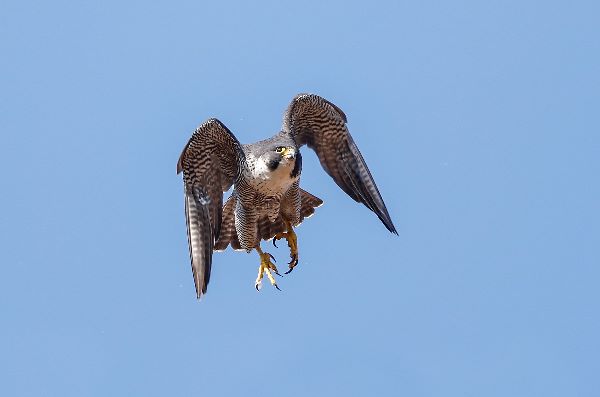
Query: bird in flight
{"x": 267, "y": 201}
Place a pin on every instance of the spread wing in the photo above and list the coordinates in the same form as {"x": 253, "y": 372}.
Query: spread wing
{"x": 318, "y": 123}
{"x": 211, "y": 164}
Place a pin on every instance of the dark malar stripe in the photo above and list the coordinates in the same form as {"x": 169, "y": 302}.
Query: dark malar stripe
{"x": 297, "y": 165}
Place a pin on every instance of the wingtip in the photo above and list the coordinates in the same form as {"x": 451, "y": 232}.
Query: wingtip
{"x": 200, "y": 293}
{"x": 390, "y": 226}
{"x": 201, "y": 284}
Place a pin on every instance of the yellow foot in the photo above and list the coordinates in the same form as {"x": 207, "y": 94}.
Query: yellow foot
{"x": 266, "y": 266}
{"x": 292, "y": 242}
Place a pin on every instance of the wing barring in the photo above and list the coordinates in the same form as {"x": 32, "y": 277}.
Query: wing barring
{"x": 314, "y": 121}
{"x": 211, "y": 163}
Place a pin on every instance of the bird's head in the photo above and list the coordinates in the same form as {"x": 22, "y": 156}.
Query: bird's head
{"x": 277, "y": 158}
{"x": 280, "y": 156}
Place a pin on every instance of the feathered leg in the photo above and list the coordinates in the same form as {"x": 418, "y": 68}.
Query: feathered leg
{"x": 292, "y": 241}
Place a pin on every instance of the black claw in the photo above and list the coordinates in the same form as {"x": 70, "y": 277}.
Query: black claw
{"x": 277, "y": 273}
{"x": 289, "y": 271}
{"x": 276, "y": 286}
{"x": 257, "y": 287}
{"x": 272, "y": 257}
{"x": 274, "y": 243}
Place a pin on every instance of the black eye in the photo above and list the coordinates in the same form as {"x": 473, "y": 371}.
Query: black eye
{"x": 279, "y": 149}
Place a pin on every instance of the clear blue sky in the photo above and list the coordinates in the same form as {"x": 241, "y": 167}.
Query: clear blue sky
{"x": 479, "y": 121}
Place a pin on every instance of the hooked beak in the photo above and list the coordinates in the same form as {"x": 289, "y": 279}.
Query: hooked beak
{"x": 289, "y": 153}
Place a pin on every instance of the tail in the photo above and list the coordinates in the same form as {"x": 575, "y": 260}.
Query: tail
{"x": 309, "y": 203}
{"x": 266, "y": 229}
{"x": 228, "y": 234}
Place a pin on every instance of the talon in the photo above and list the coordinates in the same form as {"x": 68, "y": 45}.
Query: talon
{"x": 275, "y": 245}
{"x": 292, "y": 242}
{"x": 292, "y": 266}
{"x": 266, "y": 268}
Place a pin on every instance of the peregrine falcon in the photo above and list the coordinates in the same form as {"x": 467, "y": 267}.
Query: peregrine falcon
{"x": 267, "y": 201}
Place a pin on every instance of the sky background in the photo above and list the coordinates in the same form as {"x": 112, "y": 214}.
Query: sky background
{"x": 479, "y": 121}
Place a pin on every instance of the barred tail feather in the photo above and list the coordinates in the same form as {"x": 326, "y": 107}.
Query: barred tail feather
{"x": 309, "y": 203}
{"x": 228, "y": 234}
